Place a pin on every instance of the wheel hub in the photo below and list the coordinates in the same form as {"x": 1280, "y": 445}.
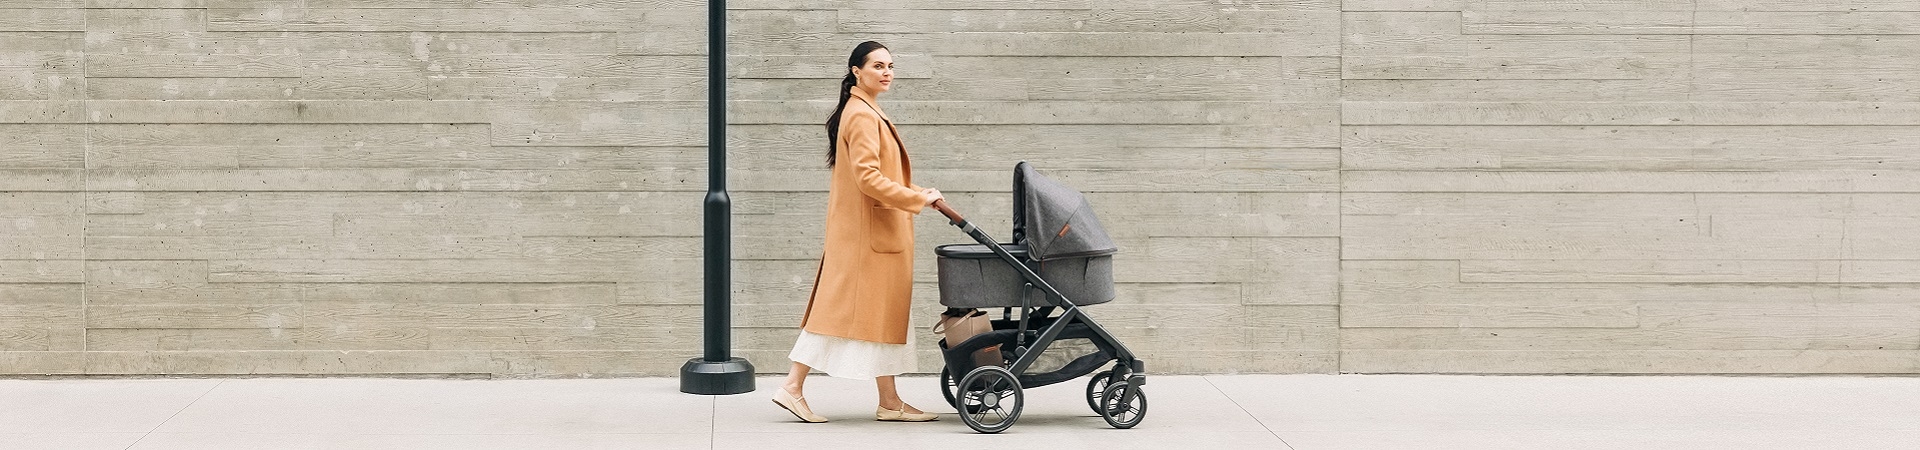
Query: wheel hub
{"x": 991, "y": 400}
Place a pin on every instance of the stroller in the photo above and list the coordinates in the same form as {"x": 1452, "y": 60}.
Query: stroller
{"x": 1060, "y": 260}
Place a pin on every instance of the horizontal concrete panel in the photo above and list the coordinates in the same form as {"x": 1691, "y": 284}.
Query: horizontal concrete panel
{"x": 41, "y": 204}
{"x": 1784, "y": 337}
{"x": 1804, "y": 5}
{"x": 394, "y": 180}
{"x": 38, "y": 112}
{"x": 194, "y": 316}
{"x": 39, "y": 243}
{"x": 41, "y": 271}
{"x": 309, "y": 294}
{"x": 1513, "y": 67}
{"x": 1712, "y": 66}
{"x": 1110, "y": 67}
{"x": 34, "y": 84}
{"x": 574, "y": 88}
{"x": 1629, "y": 361}
{"x": 1578, "y": 22}
{"x": 1254, "y": 90}
{"x": 1582, "y": 5}
{"x": 225, "y": 339}
{"x": 44, "y": 315}
{"x": 1764, "y": 315}
{"x": 412, "y": 44}
{"x": 209, "y": 66}
{"x": 1653, "y": 271}
{"x": 1630, "y": 113}
{"x": 53, "y": 18}
{"x": 908, "y": 66}
{"x": 25, "y": 339}
{"x": 1833, "y": 87}
{"x": 1009, "y": 141}
{"x": 1428, "y": 315}
{"x": 1806, "y": 44}
{"x": 149, "y": 18}
{"x": 485, "y": 318}
{"x": 162, "y": 157}
{"x": 1439, "y": 282}
{"x": 287, "y": 88}
{"x": 1403, "y": 5}
{"x": 1084, "y": 20}
{"x": 42, "y": 146}
{"x": 290, "y": 362}
{"x": 532, "y": 270}
{"x": 1771, "y": 182}
{"x": 1648, "y": 148}
{"x": 285, "y": 112}
{"x": 1830, "y": 22}
{"x": 446, "y": 19}
{"x": 1027, "y": 5}
{"x": 318, "y": 135}
{"x": 112, "y": 274}
{"x": 1031, "y": 112}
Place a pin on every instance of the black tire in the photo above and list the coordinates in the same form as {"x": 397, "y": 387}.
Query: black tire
{"x": 1123, "y": 415}
{"x": 1097, "y": 389}
{"x": 990, "y": 399}
{"x": 948, "y": 386}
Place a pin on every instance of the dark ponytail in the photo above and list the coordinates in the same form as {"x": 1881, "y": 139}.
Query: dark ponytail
{"x": 859, "y": 58}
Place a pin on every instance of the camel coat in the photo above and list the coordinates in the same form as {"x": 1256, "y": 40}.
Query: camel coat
{"x": 864, "y": 289}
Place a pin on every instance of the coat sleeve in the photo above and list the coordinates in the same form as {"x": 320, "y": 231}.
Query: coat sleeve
{"x": 863, "y": 149}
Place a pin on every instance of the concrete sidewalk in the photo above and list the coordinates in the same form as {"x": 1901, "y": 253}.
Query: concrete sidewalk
{"x": 1302, "y": 412}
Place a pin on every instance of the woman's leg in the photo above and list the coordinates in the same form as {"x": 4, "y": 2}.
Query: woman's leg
{"x": 796, "y": 379}
{"x": 890, "y": 396}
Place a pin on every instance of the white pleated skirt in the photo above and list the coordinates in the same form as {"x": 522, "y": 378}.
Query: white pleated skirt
{"x": 852, "y": 358}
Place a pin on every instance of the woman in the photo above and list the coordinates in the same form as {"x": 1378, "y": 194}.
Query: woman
{"x": 856, "y": 321}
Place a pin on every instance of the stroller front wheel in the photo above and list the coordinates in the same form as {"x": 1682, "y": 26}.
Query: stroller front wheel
{"x": 989, "y": 399}
{"x": 1120, "y": 413}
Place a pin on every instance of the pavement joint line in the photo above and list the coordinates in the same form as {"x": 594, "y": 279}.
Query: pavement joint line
{"x": 1256, "y": 419}
{"x": 163, "y": 423}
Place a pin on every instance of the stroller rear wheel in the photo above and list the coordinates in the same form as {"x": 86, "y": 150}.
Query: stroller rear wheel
{"x": 947, "y": 387}
{"x": 1097, "y": 389}
{"x": 1122, "y": 414}
{"x": 990, "y": 399}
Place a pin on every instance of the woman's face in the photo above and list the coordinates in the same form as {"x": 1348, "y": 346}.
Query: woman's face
{"x": 877, "y": 75}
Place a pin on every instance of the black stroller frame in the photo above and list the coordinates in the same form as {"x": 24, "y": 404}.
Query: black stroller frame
{"x": 989, "y": 398}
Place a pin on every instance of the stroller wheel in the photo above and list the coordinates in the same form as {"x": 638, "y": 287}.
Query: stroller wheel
{"x": 990, "y": 399}
{"x": 1097, "y": 389}
{"x": 947, "y": 386}
{"x": 1121, "y": 414}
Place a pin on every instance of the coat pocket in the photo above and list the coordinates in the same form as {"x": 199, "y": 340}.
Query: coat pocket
{"x": 888, "y": 230}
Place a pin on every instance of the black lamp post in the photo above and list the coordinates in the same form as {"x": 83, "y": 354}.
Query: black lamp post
{"x": 717, "y": 372}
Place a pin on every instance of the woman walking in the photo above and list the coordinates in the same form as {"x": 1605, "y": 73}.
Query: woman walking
{"x": 856, "y": 324}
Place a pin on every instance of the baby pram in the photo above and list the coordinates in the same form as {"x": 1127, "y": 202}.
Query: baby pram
{"x": 1060, "y": 260}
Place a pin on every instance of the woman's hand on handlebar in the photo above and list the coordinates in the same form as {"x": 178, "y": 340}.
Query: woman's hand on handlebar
{"x": 933, "y": 195}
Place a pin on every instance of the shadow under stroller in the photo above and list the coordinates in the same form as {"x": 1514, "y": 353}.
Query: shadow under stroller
{"x": 1060, "y": 260}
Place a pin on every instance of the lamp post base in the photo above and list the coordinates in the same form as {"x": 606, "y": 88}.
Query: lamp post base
{"x": 703, "y": 377}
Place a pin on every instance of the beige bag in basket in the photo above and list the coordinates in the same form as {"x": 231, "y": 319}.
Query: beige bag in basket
{"x": 958, "y": 329}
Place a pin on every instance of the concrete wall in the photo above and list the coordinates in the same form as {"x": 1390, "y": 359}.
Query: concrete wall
{"x": 512, "y": 187}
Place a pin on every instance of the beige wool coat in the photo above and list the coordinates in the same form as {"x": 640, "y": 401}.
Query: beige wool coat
{"x": 864, "y": 288}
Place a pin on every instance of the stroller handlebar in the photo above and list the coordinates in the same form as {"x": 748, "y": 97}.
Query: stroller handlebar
{"x": 948, "y": 211}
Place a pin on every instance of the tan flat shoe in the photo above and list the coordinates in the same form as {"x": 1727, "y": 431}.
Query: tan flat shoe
{"x": 900, "y": 415}
{"x": 796, "y": 405}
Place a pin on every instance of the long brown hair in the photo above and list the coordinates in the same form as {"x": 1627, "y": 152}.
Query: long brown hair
{"x": 859, "y": 58}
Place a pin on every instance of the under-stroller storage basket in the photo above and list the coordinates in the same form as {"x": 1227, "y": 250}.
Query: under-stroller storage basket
{"x": 971, "y": 276}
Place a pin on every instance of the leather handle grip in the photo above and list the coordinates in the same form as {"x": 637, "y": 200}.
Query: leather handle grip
{"x": 952, "y": 215}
